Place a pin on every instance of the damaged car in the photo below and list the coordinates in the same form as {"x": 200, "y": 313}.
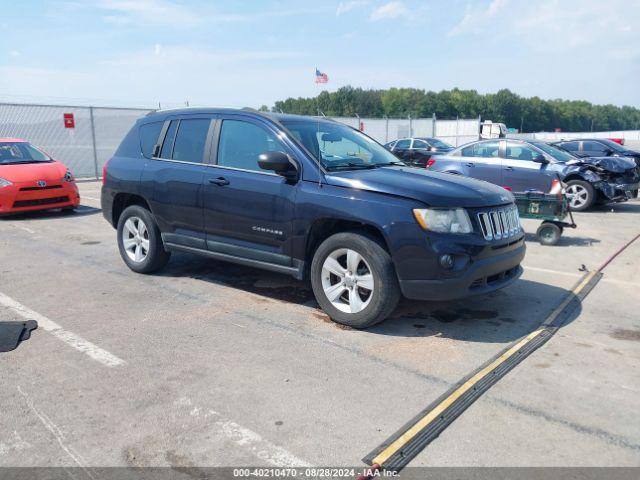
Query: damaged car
{"x": 537, "y": 166}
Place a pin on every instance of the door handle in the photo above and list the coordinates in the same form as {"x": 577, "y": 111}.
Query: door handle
{"x": 508, "y": 168}
{"x": 471, "y": 164}
{"x": 220, "y": 181}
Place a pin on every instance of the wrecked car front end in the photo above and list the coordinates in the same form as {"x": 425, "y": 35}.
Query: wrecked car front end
{"x": 616, "y": 179}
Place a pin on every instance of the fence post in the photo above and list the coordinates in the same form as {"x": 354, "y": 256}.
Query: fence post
{"x": 386, "y": 129}
{"x": 457, "y": 129}
{"x": 433, "y": 124}
{"x": 410, "y": 126}
{"x": 93, "y": 141}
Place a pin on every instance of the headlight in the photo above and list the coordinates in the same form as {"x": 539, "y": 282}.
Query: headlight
{"x": 68, "y": 177}
{"x": 4, "y": 183}
{"x": 443, "y": 220}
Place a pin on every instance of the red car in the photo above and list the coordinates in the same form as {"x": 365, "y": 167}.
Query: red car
{"x": 31, "y": 180}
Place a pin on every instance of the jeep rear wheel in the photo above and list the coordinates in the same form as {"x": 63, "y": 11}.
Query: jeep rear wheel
{"x": 139, "y": 241}
{"x": 354, "y": 280}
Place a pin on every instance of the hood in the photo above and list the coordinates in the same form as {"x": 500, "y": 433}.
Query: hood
{"x": 610, "y": 164}
{"x": 32, "y": 172}
{"x": 432, "y": 188}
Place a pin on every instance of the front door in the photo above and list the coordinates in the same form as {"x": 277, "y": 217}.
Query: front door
{"x": 520, "y": 173}
{"x": 247, "y": 211}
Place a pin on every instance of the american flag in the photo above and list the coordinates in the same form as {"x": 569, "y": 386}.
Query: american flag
{"x": 321, "y": 77}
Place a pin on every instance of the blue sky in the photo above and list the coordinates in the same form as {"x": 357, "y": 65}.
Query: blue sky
{"x": 249, "y": 53}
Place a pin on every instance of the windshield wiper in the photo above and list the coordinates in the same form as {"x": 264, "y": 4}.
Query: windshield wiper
{"x": 390, "y": 163}
{"x": 351, "y": 165}
{"x": 18, "y": 162}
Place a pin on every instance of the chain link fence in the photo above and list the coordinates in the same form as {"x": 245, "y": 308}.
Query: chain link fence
{"x": 84, "y": 146}
{"x": 95, "y": 132}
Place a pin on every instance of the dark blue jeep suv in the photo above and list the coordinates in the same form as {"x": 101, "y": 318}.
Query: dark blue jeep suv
{"x": 312, "y": 198}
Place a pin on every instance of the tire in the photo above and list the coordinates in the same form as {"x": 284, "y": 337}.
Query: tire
{"x": 581, "y": 195}
{"x": 375, "y": 287}
{"x": 549, "y": 233}
{"x": 145, "y": 253}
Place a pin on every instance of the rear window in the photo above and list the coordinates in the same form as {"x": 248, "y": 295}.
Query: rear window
{"x": 149, "y": 133}
{"x": 21, "y": 152}
{"x": 191, "y": 140}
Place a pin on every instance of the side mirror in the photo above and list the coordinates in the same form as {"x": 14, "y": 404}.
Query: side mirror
{"x": 278, "y": 162}
{"x": 540, "y": 159}
{"x": 608, "y": 152}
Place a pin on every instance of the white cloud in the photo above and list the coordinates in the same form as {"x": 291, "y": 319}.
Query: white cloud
{"x": 389, "y": 11}
{"x": 478, "y": 17}
{"x": 148, "y": 12}
{"x": 344, "y": 7}
{"x": 14, "y": 53}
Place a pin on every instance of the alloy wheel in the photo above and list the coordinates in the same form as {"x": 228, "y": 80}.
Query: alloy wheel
{"x": 135, "y": 239}
{"x": 347, "y": 280}
{"x": 578, "y": 196}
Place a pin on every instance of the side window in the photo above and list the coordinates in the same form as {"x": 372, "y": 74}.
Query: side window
{"x": 593, "y": 147}
{"x": 484, "y": 149}
{"x": 420, "y": 144}
{"x": 571, "y": 146}
{"x": 468, "y": 151}
{"x": 519, "y": 151}
{"x": 242, "y": 142}
{"x": 487, "y": 149}
{"x": 167, "y": 145}
{"x": 403, "y": 144}
{"x": 149, "y": 133}
{"x": 191, "y": 140}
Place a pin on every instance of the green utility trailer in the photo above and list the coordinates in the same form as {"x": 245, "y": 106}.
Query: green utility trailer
{"x": 552, "y": 209}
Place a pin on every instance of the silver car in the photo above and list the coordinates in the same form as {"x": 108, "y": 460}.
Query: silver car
{"x": 523, "y": 166}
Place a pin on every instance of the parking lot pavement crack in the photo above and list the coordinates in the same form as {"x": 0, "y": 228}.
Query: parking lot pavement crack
{"x": 57, "y": 433}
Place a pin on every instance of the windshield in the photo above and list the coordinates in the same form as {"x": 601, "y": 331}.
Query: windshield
{"x": 557, "y": 153}
{"x": 439, "y": 143}
{"x": 20, "y": 152}
{"x": 337, "y": 146}
{"x": 612, "y": 145}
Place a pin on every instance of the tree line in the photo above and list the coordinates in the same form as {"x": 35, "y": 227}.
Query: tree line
{"x": 531, "y": 114}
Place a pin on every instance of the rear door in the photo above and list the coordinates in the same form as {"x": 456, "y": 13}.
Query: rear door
{"x": 520, "y": 173}
{"x": 482, "y": 161}
{"x": 402, "y": 149}
{"x": 175, "y": 176}
{"x": 420, "y": 152}
{"x": 573, "y": 147}
{"x": 595, "y": 149}
{"x": 248, "y": 211}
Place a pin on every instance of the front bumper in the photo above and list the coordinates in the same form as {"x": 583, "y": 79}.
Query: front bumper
{"x": 482, "y": 275}
{"x": 617, "y": 191}
{"x": 24, "y": 197}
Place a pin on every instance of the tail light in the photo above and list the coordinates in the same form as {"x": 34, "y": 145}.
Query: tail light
{"x": 508, "y": 189}
{"x": 104, "y": 172}
{"x": 430, "y": 163}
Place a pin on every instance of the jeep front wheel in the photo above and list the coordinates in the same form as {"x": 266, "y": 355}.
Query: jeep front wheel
{"x": 354, "y": 280}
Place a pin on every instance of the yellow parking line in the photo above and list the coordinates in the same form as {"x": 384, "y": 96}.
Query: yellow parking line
{"x": 433, "y": 414}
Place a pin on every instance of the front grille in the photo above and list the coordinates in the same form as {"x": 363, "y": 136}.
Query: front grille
{"x": 48, "y": 187}
{"x": 500, "y": 223}
{"x": 39, "y": 201}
